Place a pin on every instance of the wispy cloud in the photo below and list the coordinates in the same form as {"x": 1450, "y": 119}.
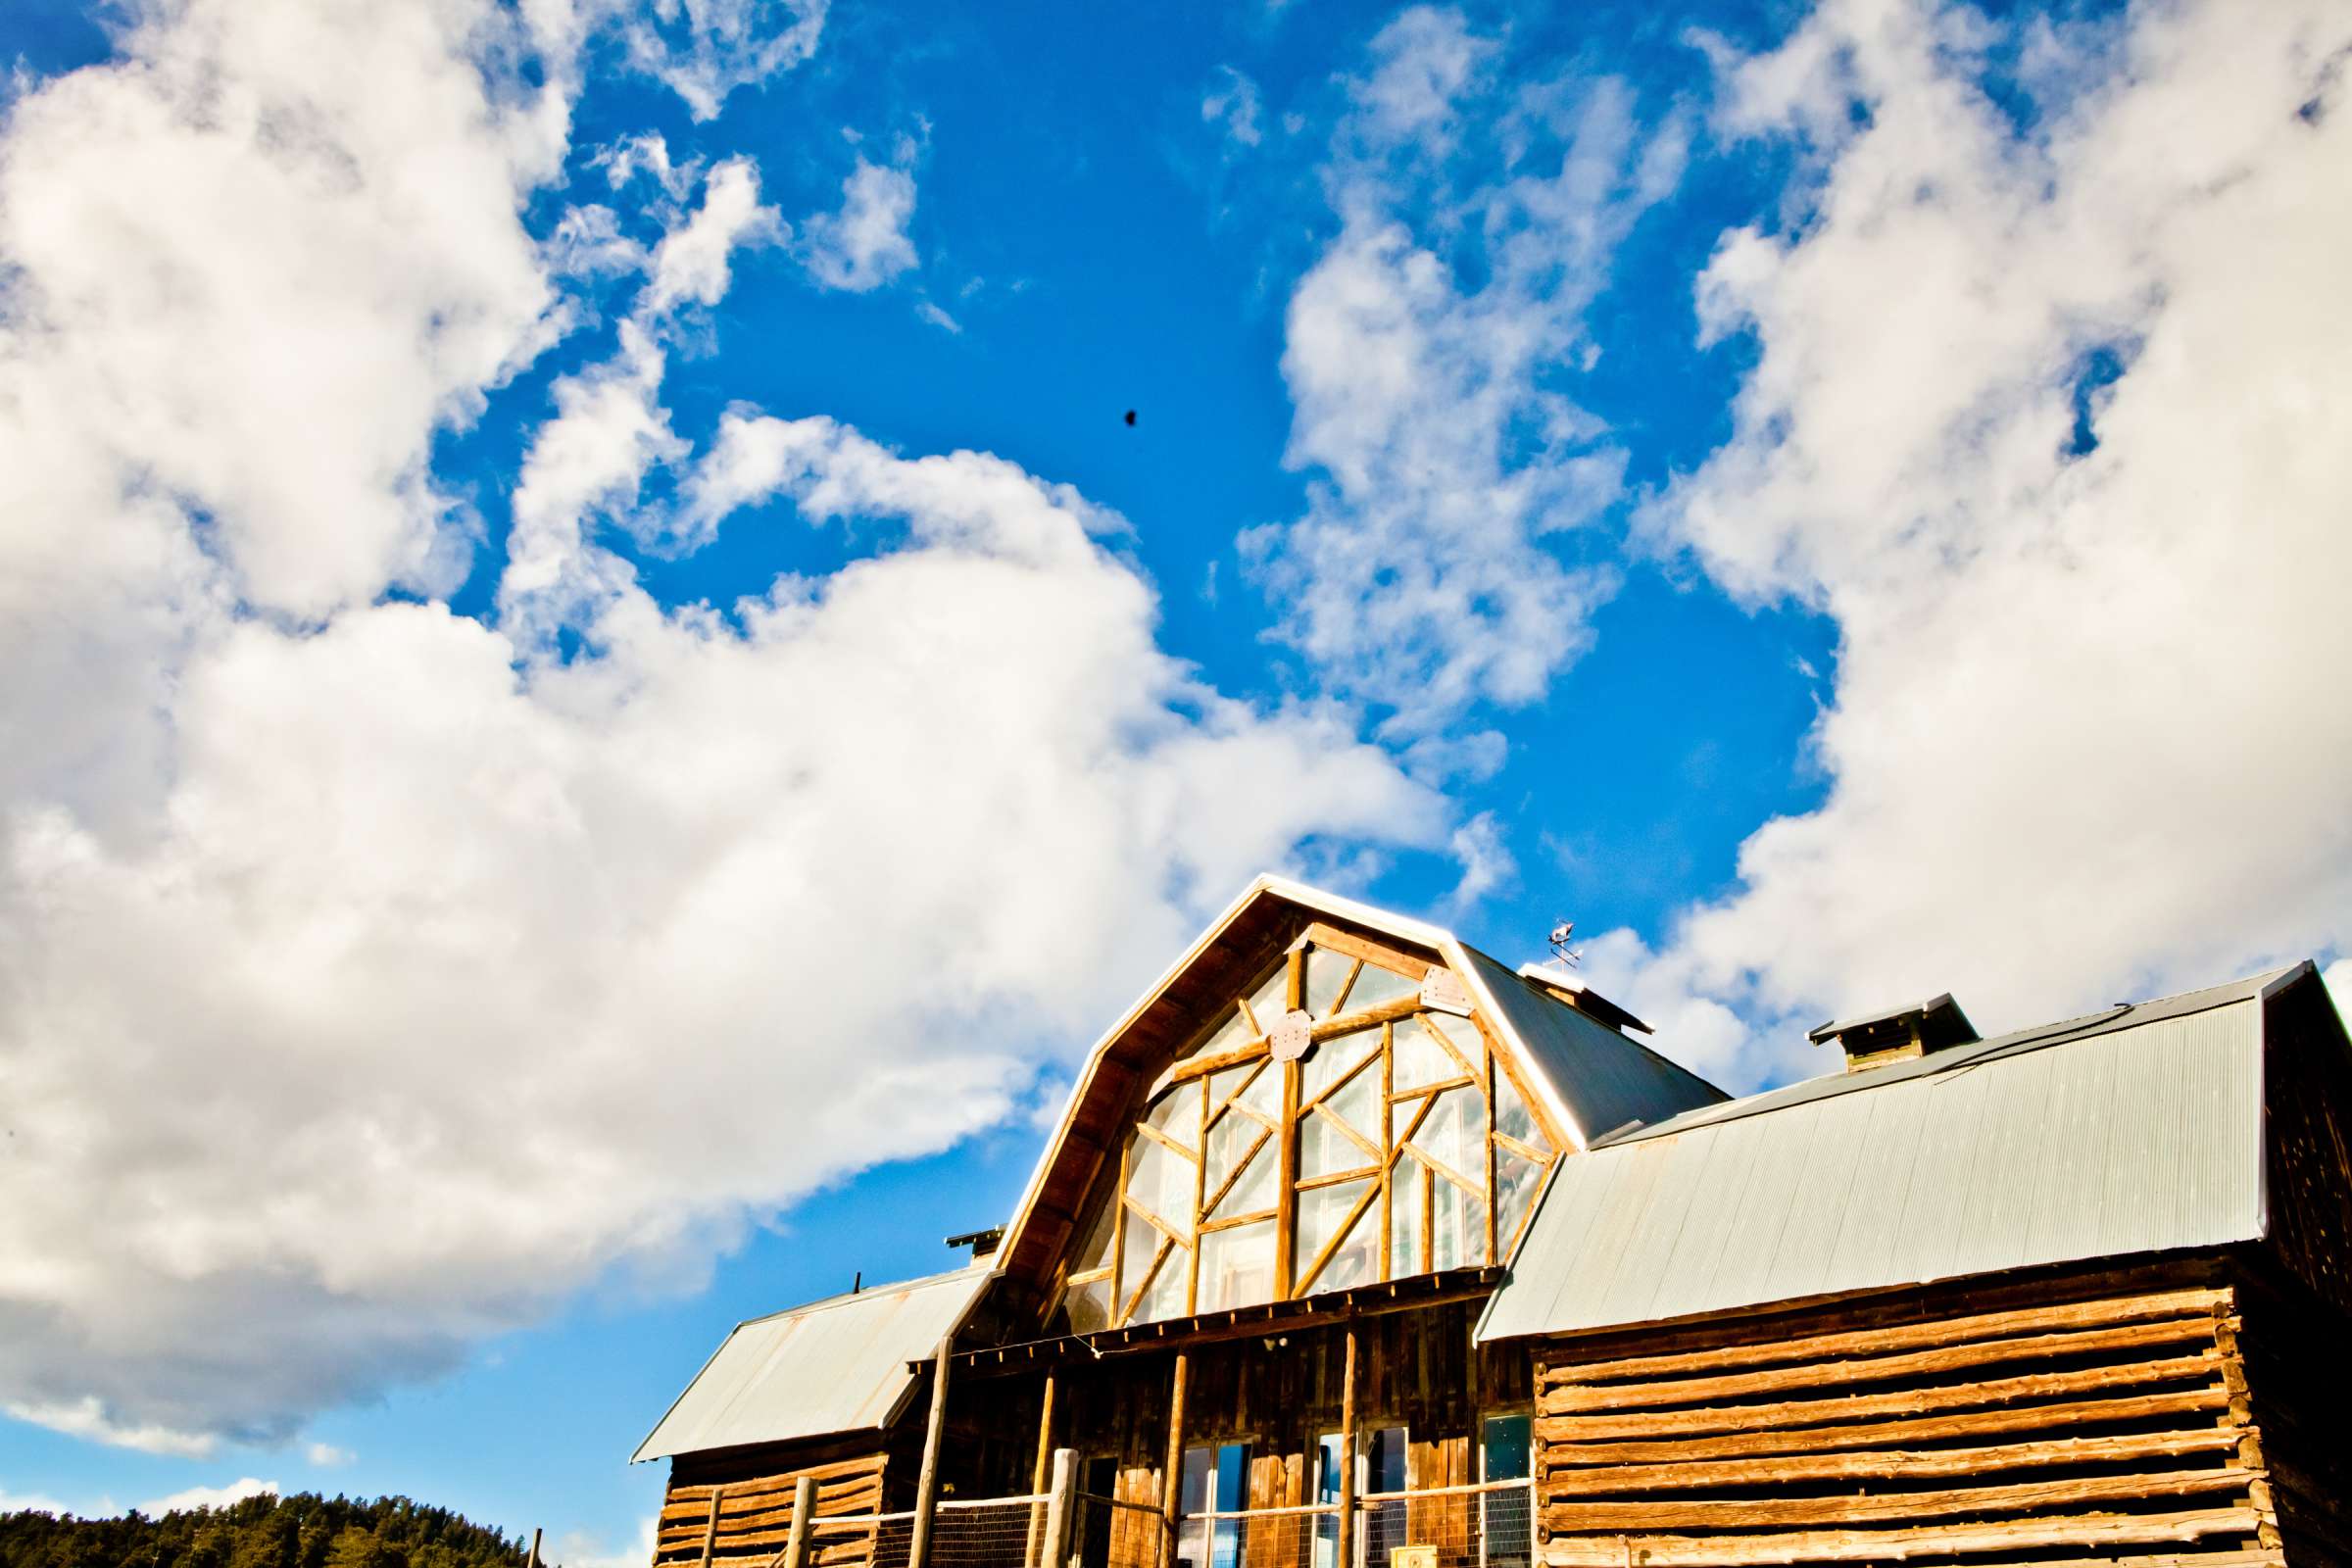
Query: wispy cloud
{"x": 1431, "y": 402}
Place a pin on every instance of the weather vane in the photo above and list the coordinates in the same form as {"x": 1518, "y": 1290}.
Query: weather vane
{"x": 1560, "y": 950}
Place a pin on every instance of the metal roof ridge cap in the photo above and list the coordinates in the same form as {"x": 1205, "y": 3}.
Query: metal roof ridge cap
{"x": 2279, "y": 980}
{"x": 845, "y": 1297}
{"x": 1460, "y": 957}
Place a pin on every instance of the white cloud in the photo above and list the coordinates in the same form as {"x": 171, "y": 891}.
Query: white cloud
{"x": 193, "y": 1498}
{"x": 579, "y": 1549}
{"x": 1478, "y": 846}
{"x": 42, "y": 1502}
{"x": 1232, "y": 105}
{"x": 328, "y": 1456}
{"x": 938, "y": 318}
{"x": 1429, "y": 401}
{"x": 704, "y": 50}
{"x": 863, "y": 245}
{"x": 691, "y": 262}
{"x": 2082, "y": 744}
{"x": 86, "y": 1418}
{"x": 371, "y": 976}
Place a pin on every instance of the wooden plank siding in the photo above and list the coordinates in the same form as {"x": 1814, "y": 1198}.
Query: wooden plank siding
{"x": 750, "y": 1500}
{"x": 2105, "y": 1414}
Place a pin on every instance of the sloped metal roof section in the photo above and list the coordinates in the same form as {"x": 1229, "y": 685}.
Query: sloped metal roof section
{"x": 2130, "y": 1132}
{"x": 836, "y": 1365}
{"x": 1606, "y": 1078}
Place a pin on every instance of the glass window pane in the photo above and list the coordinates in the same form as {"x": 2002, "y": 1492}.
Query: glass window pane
{"x": 1503, "y": 1440}
{"x": 1087, "y": 1306}
{"x": 1229, "y": 1143}
{"x": 1237, "y": 1266}
{"x": 1135, "y": 1256}
{"x": 1166, "y": 1297}
{"x": 1452, "y": 1132}
{"x": 1462, "y": 1035}
{"x": 1178, "y": 1114}
{"x": 1419, "y": 1060}
{"x": 1321, "y": 1210}
{"x": 1327, "y": 1490}
{"x": 1375, "y": 984}
{"x": 1325, "y": 1150}
{"x": 1094, "y": 1251}
{"x": 1458, "y": 1234}
{"x": 1266, "y": 1001}
{"x": 1191, "y": 1498}
{"x": 1357, "y": 1104}
{"x": 1264, "y": 1094}
{"x": 1326, "y": 972}
{"x": 1253, "y": 1191}
{"x": 1221, "y": 1085}
{"x": 1515, "y": 1182}
{"x": 1511, "y": 1115}
{"x": 1233, "y": 1033}
{"x": 1386, "y": 1450}
{"x": 1405, "y": 1220}
{"x": 1331, "y": 1060}
{"x": 1162, "y": 1180}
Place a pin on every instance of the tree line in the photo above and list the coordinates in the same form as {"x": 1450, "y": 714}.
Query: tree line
{"x": 303, "y": 1531}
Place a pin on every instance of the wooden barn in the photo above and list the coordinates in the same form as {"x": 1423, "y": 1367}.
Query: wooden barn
{"x": 1359, "y": 1249}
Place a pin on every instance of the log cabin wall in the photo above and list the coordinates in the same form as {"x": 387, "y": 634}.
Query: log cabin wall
{"x": 735, "y": 1506}
{"x": 2107, "y": 1414}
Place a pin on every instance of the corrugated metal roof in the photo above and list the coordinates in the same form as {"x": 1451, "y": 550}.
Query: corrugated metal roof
{"x": 836, "y": 1365}
{"x": 2134, "y": 1130}
{"x": 1603, "y": 1078}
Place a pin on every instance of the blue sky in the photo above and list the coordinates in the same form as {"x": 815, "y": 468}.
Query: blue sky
{"x": 584, "y": 626}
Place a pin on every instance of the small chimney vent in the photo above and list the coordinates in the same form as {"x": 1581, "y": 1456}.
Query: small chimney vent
{"x": 1899, "y": 1034}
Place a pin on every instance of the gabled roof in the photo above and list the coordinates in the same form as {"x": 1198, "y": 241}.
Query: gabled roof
{"x": 836, "y": 1365}
{"x": 2133, "y": 1131}
{"x": 1590, "y": 1078}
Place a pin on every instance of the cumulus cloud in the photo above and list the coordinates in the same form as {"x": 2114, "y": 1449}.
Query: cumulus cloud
{"x": 373, "y": 975}
{"x": 2049, "y": 421}
{"x": 692, "y": 262}
{"x": 863, "y": 244}
{"x": 194, "y": 1497}
{"x": 1433, "y": 410}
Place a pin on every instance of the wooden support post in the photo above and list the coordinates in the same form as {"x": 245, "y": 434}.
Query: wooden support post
{"x": 926, "y": 1484}
{"x": 1062, "y": 1509}
{"x": 1171, "y": 1482}
{"x": 711, "y": 1529}
{"x": 532, "y": 1561}
{"x": 798, "y": 1539}
{"x": 1346, "y": 1532}
{"x": 1040, "y": 1475}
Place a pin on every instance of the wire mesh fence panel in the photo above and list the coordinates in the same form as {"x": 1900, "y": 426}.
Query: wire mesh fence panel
{"x": 1453, "y": 1527}
{"x": 996, "y": 1534}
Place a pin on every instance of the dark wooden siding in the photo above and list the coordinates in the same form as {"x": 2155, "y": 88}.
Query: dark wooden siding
{"x": 2104, "y": 1414}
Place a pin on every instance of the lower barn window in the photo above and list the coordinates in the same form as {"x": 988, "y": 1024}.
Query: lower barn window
{"x": 1217, "y": 1480}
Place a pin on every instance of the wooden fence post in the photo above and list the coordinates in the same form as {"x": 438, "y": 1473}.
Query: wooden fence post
{"x": 1171, "y": 1480}
{"x": 1062, "y": 1509}
{"x": 804, "y": 1522}
{"x": 926, "y": 1486}
{"x": 1345, "y": 1552}
{"x": 532, "y": 1561}
{"x": 711, "y": 1529}
{"x": 1037, "y": 1480}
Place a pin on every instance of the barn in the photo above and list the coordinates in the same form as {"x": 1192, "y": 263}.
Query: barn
{"x": 1357, "y": 1247}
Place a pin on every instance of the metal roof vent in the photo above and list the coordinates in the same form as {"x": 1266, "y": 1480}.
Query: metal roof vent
{"x": 1899, "y": 1034}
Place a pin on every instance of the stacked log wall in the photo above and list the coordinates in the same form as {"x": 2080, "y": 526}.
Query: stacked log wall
{"x": 2105, "y": 1418}
{"x": 738, "y": 1509}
